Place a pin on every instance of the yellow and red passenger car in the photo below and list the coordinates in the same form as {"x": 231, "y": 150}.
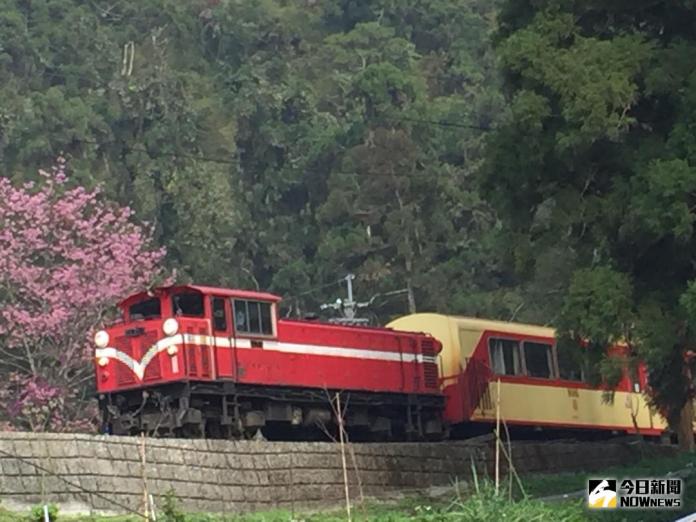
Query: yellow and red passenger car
{"x": 540, "y": 386}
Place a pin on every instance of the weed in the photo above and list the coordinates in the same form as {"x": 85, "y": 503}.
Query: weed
{"x": 38, "y": 514}
{"x": 170, "y": 510}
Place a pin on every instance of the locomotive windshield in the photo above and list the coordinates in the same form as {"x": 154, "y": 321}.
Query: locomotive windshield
{"x": 188, "y": 303}
{"x": 146, "y": 309}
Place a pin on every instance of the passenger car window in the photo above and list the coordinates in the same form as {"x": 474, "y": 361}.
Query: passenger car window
{"x": 505, "y": 356}
{"x": 253, "y": 317}
{"x": 569, "y": 367}
{"x": 537, "y": 358}
{"x": 190, "y": 303}
{"x": 149, "y": 308}
{"x": 219, "y": 314}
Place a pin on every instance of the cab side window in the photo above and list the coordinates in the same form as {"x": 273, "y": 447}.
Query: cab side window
{"x": 504, "y": 356}
{"x": 252, "y": 317}
{"x": 219, "y": 314}
{"x": 537, "y": 358}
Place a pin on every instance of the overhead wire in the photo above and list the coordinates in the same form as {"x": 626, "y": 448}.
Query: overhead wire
{"x": 210, "y": 159}
{"x": 441, "y": 123}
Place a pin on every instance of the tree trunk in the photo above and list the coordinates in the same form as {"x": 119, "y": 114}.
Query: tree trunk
{"x": 411, "y": 296}
{"x": 685, "y": 429}
{"x": 409, "y": 287}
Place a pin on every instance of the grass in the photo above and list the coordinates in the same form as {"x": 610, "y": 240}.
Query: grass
{"x": 479, "y": 503}
{"x": 547, "y": 485}
{"x": 481, "y": 507}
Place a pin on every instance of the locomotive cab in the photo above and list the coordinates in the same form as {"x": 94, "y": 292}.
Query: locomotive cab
{"x": 169, "y": 334}
{"x": 192, "y": 360}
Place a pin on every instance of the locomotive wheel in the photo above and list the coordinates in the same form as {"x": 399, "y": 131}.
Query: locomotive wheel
{"x": 274, "y": 431}
{"x": 250, "y": 433}
{"x": 213, "y": 430}
{"x": 285, "y": 414}
{"x": 189, "y": 431}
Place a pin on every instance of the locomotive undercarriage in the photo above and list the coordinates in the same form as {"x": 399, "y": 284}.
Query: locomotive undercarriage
{"x": 233, "y": 411}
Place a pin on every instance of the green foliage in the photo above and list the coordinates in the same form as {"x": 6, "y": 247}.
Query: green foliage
{"x": 483, "y": 505}
{"x": 649, "y": 466}
{"x": 38, "y": 514}
{"x": 574, "y": 70}
{"x": 661, "y": 199}
{"x": 235, "y": 128}
{"x": 598, "y": 306}
{"x": 687, "y": 300}
{"x": 595, "y": 163}
{"x": 170, "y": 510}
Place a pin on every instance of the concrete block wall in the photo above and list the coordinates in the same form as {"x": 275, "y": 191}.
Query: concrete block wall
{"x": 102, "y": 473}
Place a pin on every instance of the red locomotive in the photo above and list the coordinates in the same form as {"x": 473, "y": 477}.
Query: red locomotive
{"x": 202, "y": 361}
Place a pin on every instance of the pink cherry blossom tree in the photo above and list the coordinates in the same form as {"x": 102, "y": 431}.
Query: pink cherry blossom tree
{"x": 66, "y": 256}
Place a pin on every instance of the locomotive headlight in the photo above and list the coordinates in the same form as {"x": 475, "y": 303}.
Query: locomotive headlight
{"x": 173, "y": 350}
{"x": 103, "y": 361}
{"x": 170, "y": 326}
{"x": 101, "y": 339}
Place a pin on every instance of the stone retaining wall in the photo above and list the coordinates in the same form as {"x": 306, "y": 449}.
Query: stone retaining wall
{"x": 85, "y": 472}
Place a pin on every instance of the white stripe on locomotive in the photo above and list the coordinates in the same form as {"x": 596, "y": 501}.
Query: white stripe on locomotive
{"x": 138, "y": 367}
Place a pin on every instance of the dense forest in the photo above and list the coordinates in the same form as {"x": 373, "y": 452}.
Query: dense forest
{"x": 274, "y": 144}
{"x": 514, "y": 159}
